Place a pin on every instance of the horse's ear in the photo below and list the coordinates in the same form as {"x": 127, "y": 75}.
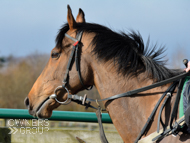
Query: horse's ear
{"x": 80, "y": 17}
{"x": 70, "y": 19}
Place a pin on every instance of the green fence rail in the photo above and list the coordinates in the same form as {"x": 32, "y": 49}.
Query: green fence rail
{"x": 57, "y": 115}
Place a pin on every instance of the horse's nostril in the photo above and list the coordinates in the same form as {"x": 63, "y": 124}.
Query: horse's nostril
{"x": 26, "y": 102}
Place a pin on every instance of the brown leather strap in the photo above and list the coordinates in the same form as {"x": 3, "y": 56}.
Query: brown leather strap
{"x": 101, "y": 129}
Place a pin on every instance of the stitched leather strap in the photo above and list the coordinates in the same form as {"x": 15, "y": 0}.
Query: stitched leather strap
{"x": 174, "y": 111}
{"x": 75, "y": 51}
{"x": 101, "y": 129}
{"x": 133, "y": 92}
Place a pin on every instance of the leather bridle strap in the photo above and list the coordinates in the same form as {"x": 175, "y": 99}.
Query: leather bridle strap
{"x": 101, "y": 129}
{"x": 75, "y": 51}
{"x": 69, "y": 66}
{"x": 77, "y": 62}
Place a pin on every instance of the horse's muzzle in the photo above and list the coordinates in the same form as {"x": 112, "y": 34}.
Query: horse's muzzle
{"x": 27, "y": 104}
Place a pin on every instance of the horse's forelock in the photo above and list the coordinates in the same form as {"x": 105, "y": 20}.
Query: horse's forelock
{"x": 61, "y": 35}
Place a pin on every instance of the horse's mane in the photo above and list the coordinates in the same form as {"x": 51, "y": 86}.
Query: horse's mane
{"x": 128, "y": 52}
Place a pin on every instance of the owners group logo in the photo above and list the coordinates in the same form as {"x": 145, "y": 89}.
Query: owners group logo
{"x": 24, "y": 126}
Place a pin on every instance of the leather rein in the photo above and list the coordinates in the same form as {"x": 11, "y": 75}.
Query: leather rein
{"x": 84, "y": 101}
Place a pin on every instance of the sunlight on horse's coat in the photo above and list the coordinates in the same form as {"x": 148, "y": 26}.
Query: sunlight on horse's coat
{"x": 114, "y": 63}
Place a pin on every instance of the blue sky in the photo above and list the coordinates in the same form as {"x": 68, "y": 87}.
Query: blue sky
{"x": 30, "y": 26}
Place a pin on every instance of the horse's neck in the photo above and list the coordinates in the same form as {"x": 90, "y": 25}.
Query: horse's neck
{"x": 129, "y": 114}
{"x": 108, "y": 82}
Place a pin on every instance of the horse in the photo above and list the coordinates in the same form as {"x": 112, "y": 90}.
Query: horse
{"x": 112, "y": 62}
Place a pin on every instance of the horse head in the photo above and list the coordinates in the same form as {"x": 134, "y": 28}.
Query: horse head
{"x": 38, "y": 101}
{"x": 88, "y": 54}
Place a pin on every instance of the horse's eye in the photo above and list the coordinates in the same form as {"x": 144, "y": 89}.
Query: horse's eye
{"x": 55, "y": 55}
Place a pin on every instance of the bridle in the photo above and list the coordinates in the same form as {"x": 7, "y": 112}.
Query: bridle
{"x": 179, "y": 79}
{"x": 76, "y": 98}
{"x": 74, "y": 55}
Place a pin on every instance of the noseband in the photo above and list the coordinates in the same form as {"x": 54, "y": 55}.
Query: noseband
{"x": 74, "y": 53}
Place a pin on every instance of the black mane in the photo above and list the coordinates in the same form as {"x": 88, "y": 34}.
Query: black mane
{"x": 127, "y": 51}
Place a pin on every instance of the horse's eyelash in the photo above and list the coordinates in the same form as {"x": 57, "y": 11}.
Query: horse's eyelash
{"x": 68, "y": 45}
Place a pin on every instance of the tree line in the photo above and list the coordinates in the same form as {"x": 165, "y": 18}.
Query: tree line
{"x": 17, "y": 76}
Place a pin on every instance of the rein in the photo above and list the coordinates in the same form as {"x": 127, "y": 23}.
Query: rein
{"x": 84, "y": 101}
{"x": 132, "y": 92}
